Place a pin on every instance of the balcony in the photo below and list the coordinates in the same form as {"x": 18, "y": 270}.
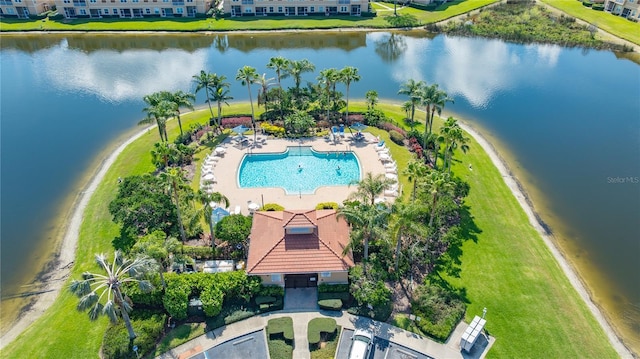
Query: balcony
{"x": 177, "y": 2}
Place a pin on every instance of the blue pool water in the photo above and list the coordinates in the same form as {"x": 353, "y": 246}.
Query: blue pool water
{"x": 299, "y": 170}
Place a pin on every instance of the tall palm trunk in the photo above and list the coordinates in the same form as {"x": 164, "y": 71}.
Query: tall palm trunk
{"x": 177, "y": 199}
{"x": 433, "y": 209}
{"x": 398, "y": 247}
{"x": 206, "y": 89}
{"x": 253, "y": 119}
{"x": 180, "y": 123}
{"x": 125, "y": 315}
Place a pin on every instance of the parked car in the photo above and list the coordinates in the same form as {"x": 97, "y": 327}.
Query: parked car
{"x": 361, "y": 343}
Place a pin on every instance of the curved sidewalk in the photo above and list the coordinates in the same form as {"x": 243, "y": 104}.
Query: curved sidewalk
{"x": 450, "y": 349}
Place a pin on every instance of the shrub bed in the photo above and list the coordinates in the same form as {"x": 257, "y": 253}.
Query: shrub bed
{"x": 396, "y": 137}
{"x": 333, "y": 288}
{"x": 148, "y": 327}
{"x": 272, "y": 207}
{"x": 280, "y": 327}
{"x": 230, "y": 314}
{"x": 330, "y": 304}
{"x": 319, "y": 329}
{"x": 280, "y": 337}
{"x": 327, "y": 205}
{"x": 440, "y": 311}
{"x": 213, "y": 290}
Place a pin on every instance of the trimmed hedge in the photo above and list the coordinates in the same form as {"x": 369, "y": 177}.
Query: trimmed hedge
{"x": 280, "y": 326}
{"x": 333, "y": 288}
{"x": 265, "y": 300}
{"x": 396, "y": 137}
{"x": 330, "y": 304}
{"x": 272, "y": 207}
{"x": 214, "y": 289}
{"x": 271, "y": 291}
{"x": 327, "y": 205}
{"x": 317, "y": 326}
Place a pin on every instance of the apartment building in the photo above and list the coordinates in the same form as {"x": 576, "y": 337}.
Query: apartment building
{"x": 295, "y": 7}
{"x": 131, "y": 8}
{"x": 629, "y": 9}
{"x": 21, "y": 9}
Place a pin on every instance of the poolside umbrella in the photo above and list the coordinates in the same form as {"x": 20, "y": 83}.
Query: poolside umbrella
{"x": 240, "y": 130}
{"x": 217, "y": 214}
{"x": 358, "y": 126}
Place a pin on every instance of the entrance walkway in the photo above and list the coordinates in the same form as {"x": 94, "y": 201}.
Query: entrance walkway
{"x": 450, "y": 349}
{"x": 301, "y": 299}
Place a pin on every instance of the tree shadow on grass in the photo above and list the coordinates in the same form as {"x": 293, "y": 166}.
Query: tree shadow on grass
{"x": 450, "y": 263}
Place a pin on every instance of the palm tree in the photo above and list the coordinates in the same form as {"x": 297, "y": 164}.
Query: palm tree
{"x": 438, "y": 184}
{"x": 329, "y": 77}
{"x": 406, "y": 222}
{"x": 372, "y": 99}
{"x": 371, "y": 187}
{"x": 412, "y": 88}
{"x": 161, "y": 153}
{"x": 265, "y": 83}
{"x": 453, "y": 137}
{"x": 296, "y": 68}
{"x": 159, "y": 247}
{"x": 220, "y": 96}
{"x": 440, "y": 98}
{"x": 174, "y": 179}
{"x": 181, "y": 99}
{"x": 122, "y": 271}
{"x": 159, "y": 112}
{"x": 415, "y": 171}
{"x": 280, "y": 65}
{"x": 427, "y": 98}
{"x": 204, "y": 80}
{"x": 348, "y": 75}
{"x": 247, "y": 75}
{"x": 206, "y": 199}
{"x": 367, "y": 223}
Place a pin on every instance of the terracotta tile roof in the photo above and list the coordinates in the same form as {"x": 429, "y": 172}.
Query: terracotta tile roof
{"x": 273, "y": 250}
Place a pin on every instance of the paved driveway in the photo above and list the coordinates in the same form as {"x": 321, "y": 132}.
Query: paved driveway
{"x": 252, "y": 345}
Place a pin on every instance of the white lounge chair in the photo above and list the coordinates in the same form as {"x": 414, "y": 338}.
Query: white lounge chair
{"x": 393, "y": 170}
{"x": 237, "y": 210}
{"x": 391, "y": 193}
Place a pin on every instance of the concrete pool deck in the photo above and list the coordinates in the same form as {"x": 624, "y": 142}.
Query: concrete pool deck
{"x": 227, "y": 167}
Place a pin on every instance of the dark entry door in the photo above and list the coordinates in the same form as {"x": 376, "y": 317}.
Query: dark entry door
{"x": 301, "y": 280}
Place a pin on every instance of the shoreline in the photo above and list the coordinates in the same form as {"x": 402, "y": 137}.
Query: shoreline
{"x": 58, "y": 268}
{"x": 542, "y": 228}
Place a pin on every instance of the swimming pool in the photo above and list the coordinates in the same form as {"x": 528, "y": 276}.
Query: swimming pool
{"x": 299, "y": 170}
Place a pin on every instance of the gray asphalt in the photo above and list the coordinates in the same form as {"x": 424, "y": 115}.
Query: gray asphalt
{"x": 252, "y": 345}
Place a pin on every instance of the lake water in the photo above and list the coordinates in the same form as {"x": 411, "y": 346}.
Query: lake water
{"x": 568, "y": 121}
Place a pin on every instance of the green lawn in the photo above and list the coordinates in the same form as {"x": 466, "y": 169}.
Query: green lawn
{"x": 533, "y": 311}
{"x": 247, "y": 23}
{"x": 62, "y": 332}
{"x": 612, "y": 24}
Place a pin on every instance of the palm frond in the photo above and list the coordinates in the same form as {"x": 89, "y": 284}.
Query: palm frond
{"x": 95, "y": 311}
{"x": 87, "y": 301}
{"x": 110, "y": 311}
